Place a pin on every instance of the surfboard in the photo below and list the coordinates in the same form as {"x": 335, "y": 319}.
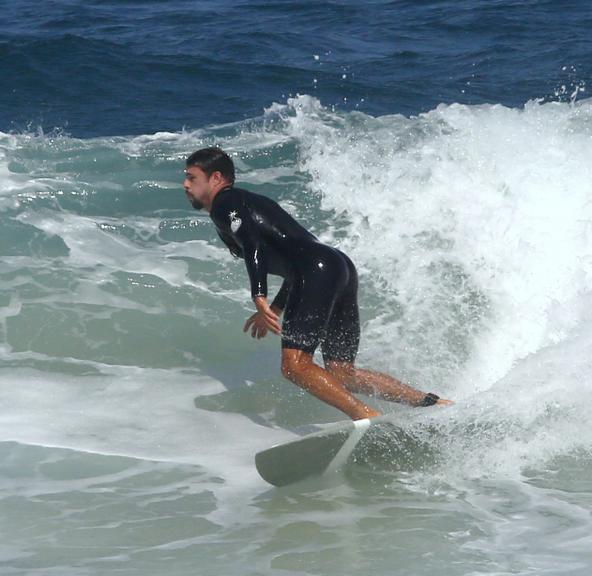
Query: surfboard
{"x": 323, "y": 452}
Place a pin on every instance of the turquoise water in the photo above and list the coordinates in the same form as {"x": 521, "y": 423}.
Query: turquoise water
{"x": 133, "y": 404}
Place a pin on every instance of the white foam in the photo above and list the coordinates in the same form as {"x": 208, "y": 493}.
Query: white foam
{"x": 472, "y": 225}
{"x": 513, "y": 215}
{"x": 89, "y": 244}
{"x": 129, "y": 411}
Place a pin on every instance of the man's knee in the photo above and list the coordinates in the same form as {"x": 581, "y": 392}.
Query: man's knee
{"x": 344, "y": 371}
{"x": 292, "y": 368}
{"x": 294, "y": 364}
{"x": 288, "y": 368}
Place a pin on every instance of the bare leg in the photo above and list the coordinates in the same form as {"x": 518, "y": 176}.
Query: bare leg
{"x": 298, "y": 366}
{"x": 376, "y": 384}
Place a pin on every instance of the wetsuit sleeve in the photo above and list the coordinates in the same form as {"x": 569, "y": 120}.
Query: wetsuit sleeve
{"x": 248, "y": 236}
{"x": 234, "y": 248}
{"x": 280, "y": 299}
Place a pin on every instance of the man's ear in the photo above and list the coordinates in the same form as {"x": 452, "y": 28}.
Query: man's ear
{"x": 217, "y": 176}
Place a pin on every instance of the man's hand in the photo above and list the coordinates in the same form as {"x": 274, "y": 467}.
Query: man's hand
{"x": 263, "y": 320}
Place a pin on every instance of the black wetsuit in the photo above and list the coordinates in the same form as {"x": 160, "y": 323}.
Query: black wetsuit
{"x": 319, "y": 292}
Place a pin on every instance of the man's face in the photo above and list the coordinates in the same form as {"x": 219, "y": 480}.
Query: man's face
{"x": 197, "y": 187}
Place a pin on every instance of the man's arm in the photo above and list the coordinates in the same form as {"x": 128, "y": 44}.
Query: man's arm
{"x": 267, "y": 314}
{"x": 279, "y": 302}
{"x": 230, "y": 243}
{"x": 254, "y": 250}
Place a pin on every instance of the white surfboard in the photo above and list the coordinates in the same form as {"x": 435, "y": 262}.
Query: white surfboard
{"x": 319, "y": 453}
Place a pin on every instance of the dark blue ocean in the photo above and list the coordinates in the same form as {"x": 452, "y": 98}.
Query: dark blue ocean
{"x": 133, "y": 67}
{"x": 446, "y": 147}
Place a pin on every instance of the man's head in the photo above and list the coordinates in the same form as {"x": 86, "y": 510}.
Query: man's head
{"x": 207, "y": 171}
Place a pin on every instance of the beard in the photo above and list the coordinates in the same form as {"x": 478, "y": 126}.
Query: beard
{"x": 197, "y": 204}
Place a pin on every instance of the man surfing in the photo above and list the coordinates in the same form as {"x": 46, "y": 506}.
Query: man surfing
{"x": 318, "y": 296}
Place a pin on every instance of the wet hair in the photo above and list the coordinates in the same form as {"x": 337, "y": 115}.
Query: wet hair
{"x": 212, "y": 160}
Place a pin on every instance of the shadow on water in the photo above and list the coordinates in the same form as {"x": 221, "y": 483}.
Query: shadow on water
{"x": 261, "y": 394}
{"x": 258, "y": 391}
{"x": 250, "y": 373}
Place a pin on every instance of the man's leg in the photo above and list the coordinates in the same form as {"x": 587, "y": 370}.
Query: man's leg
{"x": 374, "y": 383}
{"x": 298, "y": 366}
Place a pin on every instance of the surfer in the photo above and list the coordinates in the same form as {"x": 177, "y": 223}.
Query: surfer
{"x": 318, "y": 296}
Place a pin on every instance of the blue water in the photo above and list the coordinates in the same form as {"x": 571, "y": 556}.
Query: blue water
{"x": 445, "y": 146}
{"x": 140, "y": 67}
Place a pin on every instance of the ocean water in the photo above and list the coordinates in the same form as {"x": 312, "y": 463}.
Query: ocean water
{"x": 444, "y": 146}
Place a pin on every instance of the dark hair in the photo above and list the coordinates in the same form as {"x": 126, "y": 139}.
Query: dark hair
{"x": 212, "y": 160}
